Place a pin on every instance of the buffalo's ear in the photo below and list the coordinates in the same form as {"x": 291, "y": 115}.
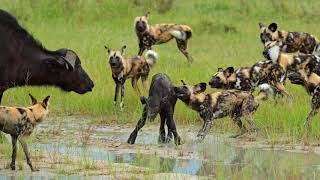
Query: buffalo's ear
{"x": 122, "y": 50}
{"x": 55, "y": 65}
{"x": 45, "y": 102}
{"x": 33, "y": 100}
{"x": 229, "y": 71}
{"x": 261, "y": 25}
{"x": 108, "y": 50}
{"x": 273, "y": 27}
{"x": 201, "y": 87}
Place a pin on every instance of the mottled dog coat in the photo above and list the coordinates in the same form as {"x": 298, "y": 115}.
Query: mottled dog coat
{"x": 248, "y": 78}
{"x": 291, "y": 41}
{"x": 125, "y": 68}
{"x": 232, "y": 103}
{"x": 149, "y": 35}
{"x": 19, "y": 122}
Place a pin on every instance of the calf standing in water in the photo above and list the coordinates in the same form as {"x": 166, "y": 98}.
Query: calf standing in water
{"x": 19, "y": 123}
{"x": 161, "y": 100}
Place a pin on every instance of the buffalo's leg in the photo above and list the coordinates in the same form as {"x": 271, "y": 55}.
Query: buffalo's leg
{"x": 140, "y": 124}
{"x": 172, "y": 128}
{"x": 14, "y": 152}
{"x": 183, "y": 45}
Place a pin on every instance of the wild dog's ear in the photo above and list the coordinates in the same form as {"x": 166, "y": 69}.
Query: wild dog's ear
{"x": 261, "y": 25}
{"x": 308, "y": 69}
{"x": 229, "y": 71}
{"x": 45, "y": 102}
{"x": 220, "y": 69}
{"x": 34, "y": 100}
{"x": 147, "y": 15}
{"x": 273, "y": 27}
{"x": 122, "y": 50}
{"x": 108, "y": 50}
{"x": 199, "y": 88}
{"x": 182, "y": 81}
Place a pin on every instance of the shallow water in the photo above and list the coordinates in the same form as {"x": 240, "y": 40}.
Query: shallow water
{"x": 215, "y": 157}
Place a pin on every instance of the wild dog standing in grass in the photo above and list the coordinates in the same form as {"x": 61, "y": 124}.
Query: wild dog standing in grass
{"x": 232, "y": 103}
{"x": 19, "y": 122}
{"x": 149, "y": 35}
{"x": 311, "y": 82}
{"x": 248, "y": 78}
{"x": 162, "y": 101}
{"x": 290, "y": 62}
{"x": 135, "y": 67}
{"x": 291, "y": 41}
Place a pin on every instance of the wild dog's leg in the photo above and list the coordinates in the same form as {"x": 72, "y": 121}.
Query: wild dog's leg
{"x": 280, "y": 87}
{"x": 182, "y": 45}
{"x": 171, "y": 125}
{"x": 140, "y": 124}
{"x": 144, "y": 80}
{"x": 315, "y": 105}
{"x": 14, "y": 152}
{"x": 248, "y": 109}
{"x": 23, "y": 143}
{"x": 243, "y": 129}
{"x": 162, "y": 133}
{"x": 134, "y": 83}
{"x": 122, "y": 95}
{"x": 116, "y": 93}
{"x": 142, "y": 48}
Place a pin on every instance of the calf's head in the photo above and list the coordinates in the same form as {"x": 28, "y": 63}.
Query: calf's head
{"x": 223, "y": 78}
{"x": 67, "y": 73}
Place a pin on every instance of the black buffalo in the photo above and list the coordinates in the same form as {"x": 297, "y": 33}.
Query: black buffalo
{"x": 24, "y": 61}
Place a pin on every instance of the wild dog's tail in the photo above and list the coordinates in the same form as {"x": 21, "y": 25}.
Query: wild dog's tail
{"x": 265, "y": 91}
{"x": 183, "y": 34}
{"x": 151, "y": 57}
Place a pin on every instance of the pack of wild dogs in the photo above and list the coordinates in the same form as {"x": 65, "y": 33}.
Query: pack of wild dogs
{"x": 25, "y": 61}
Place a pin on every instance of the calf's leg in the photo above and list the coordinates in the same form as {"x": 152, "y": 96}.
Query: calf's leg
{"x": 140, "y": 124}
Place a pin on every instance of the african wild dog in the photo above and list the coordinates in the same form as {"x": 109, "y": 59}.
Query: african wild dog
{"x": 248, "y": 78}
{"x": 161, "y": 100}
{"x": 311, "y": 82}
{"x": 290, "y": 62}
{"x": 232, "y": 103}
{"x": 19, "y": 122}
{"x": 291, "y": 41}
{"x": 149, "y": 35}
{"x": 134, "y": 68}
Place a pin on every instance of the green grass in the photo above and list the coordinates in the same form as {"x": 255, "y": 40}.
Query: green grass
{"x": 86, "y": 26}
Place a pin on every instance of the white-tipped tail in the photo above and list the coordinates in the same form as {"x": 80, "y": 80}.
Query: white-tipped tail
{"x": 264, "y": 87}
{"x": 179, "y": 34}
{"x": 151, "y": 57}
{"x": 265, "y": 90}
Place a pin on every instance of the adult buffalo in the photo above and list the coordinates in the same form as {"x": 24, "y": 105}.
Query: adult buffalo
{"x": 24, "y": 61}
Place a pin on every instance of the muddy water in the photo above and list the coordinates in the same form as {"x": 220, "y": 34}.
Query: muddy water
{"x": 216, "y": 157}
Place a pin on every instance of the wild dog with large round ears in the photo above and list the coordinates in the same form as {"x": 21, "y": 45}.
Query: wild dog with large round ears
{"x": 248, "y": 78}
{"x": 149, "y": 35}
{"x": 311, "y": 82}
{"x": 162, "y": 101}
{"x": 232, "y": 103}
{"x": 291, "y": 41}
{"x": 135, "y": 67}
{"x": 290, "y": 62}
{"x": 19, "y": 122}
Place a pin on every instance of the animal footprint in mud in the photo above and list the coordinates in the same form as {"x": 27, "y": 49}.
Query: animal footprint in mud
{"x": 117, "y": 144}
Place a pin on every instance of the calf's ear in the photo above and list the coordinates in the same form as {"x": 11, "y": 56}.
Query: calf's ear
{"x": 33, "y": 100}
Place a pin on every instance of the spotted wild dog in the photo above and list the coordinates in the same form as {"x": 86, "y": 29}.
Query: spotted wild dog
{"x": 290, "y": 62}
{"x": 19, "y": 122}
{"x": 134, "y": 67}
{"x": 311, "y": 82}
{"x": 232, "y": 103}
{"x": 149, "y": 35}
{"x": 248, "y": 78}
{"x": 291, "y": 41}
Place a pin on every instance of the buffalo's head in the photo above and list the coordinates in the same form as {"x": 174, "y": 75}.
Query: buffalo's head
{"x": 67, "y": 73}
